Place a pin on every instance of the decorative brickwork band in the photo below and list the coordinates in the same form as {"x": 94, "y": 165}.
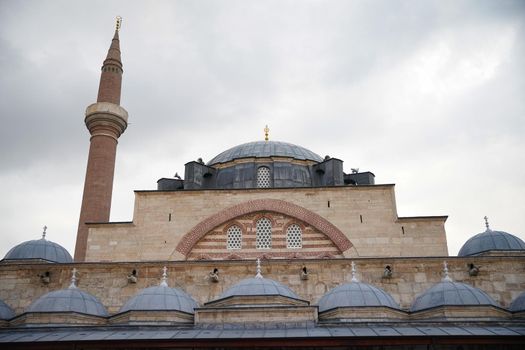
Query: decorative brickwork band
{"x": 273, "y": 205}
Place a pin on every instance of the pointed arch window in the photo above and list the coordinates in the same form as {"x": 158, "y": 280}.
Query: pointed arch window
{"x": 263, "y": 177}
{"x": 294, "y": 236}
{"x": 263, "y": 229}
{"x": 234, "y": 237}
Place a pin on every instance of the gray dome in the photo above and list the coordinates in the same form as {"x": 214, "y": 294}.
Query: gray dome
{"x": 39, "y": 249}
{"x": 448, "y": 293}
{"x": 260, "y": 149}
{"x": 6, "y": 312}
{"x": 161, "y": 298}
{"x": 69, "y": 300}
{"x": 259, "y": 286}
{"x": 518, "y": 304}
{"x": 491, "y": 240}
{"x": 356, "y": 294}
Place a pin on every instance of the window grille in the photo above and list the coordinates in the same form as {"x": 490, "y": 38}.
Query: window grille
{"x": 294, "y": 236}
{"x": 263, "y": 177}
{"x": 264, "y": 233}
{"x": 234, "y": 240}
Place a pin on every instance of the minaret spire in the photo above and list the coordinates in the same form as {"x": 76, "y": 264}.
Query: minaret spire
{"x": 106, "y": 120}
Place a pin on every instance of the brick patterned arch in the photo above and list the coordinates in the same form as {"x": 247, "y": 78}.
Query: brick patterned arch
{"x": 274, "y": 205}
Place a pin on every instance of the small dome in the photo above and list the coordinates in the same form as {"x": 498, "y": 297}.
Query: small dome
{"x": 69, "y": 300}
{"x": 259, "y": 286}
{"x": 518, "y": 304}
{"x": 6, "y": 312}
{"x": 39, "y": 249}
{"x": 356, "y": 294}
{"x": 449, "y": 293}
{"x": 161, "y": 298}
{"x": 260, "y": 149}
{"x": 491, "y": 240}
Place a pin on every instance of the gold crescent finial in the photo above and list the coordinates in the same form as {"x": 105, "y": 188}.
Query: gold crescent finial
{"x": 266, "y": 131}
{"x": 118, "y": 24}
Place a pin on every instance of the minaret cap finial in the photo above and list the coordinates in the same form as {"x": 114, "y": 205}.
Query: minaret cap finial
{"x": 487, "y": 223}
{"x": 44, "y": 232}
{"x": 445, "y": 271}
{"x": 164, "y": 279}
{"x": 258, "y": 275}
{"x": 73, "y": 279}
{"x": 354, "y": 278}
{"x": 266, "y": 132}
{"x": 118, "y": 24}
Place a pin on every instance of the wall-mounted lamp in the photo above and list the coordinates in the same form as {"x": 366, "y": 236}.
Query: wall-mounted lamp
{"x": 473, "y": 270}
{"x": 387, "y": 273}
{"x": 304, "y": 273}
{"x": 132, "y": 277}
{"x": 45, "y": 278}
{"x": 214, "y": 275}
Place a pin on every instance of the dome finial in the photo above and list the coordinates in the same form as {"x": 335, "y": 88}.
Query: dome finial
{"x": 44, "y": 232}
{"x": 118, "y": 24}
{"x": 164, "y": 279}
{"x": 266, "y": 132}
{"x": 487, "y": 223}
{"x": 354, "y": 278}
{"x": 445, "y": 271}
{"x": 73, "y": 279}
{"x": 258, "y": 275}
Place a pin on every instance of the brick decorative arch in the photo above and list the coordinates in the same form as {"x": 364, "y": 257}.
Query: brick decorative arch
{"x": 274, "y": 205}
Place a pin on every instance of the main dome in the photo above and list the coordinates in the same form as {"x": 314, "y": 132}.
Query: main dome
{"x": 260, "y": 149}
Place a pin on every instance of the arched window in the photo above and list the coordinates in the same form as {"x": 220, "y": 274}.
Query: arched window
{"x": 264, "y": 233}
{"x": 263, "y": 177}
{"x": 294, "y": 236}
{"x": 234, "y": 239}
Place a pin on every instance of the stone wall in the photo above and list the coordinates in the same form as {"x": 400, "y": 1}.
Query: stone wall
{"x": 502, "y": 277}
{"x": 361, "y": 221}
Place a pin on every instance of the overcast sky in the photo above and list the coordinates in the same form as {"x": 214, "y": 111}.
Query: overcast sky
{"x": 429, "y": 95}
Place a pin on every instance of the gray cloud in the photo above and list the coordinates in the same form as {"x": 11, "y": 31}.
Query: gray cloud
{"x": 428, "y": 95}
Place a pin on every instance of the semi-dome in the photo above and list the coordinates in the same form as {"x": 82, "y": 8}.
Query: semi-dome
{"x": 6, "y": 312}
{"x": 257, "y": 286}
{"x": 450, "y": 293}
{"x": 69, "y": 300}
{"x": 260, "y": 149}
{"x": 518, "y": 304}
{"x": 356, "y": 294}
{"x": 39, "y": 249}
{"x": 491, "y": 240}
{"x": 160, "y": 298}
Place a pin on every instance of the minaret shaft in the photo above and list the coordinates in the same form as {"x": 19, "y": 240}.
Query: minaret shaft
{"x": 106, "y": 121}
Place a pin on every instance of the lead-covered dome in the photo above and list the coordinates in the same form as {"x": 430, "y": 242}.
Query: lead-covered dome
{"x": 259, "y": 149}
{"x": 6, "y": 312}
{"x": 69, "y": 300}
{"x": 259, "y": 286}
{"x": 491, "y": 240}
{"x": 518, "y": 304}
{"x": 356, "y": 294}
{"x": 450, "y": 293}
{"x": 161, "y": 298}
{"x": 39, "y": 249}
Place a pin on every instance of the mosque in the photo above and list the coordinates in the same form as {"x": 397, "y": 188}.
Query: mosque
{"x": 267, "y": 245}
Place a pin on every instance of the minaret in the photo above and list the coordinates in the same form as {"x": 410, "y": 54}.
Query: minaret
{"x": 106, "y": 121}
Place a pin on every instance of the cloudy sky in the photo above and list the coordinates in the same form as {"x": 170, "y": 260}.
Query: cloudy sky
{"x": 429, "y": 95}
